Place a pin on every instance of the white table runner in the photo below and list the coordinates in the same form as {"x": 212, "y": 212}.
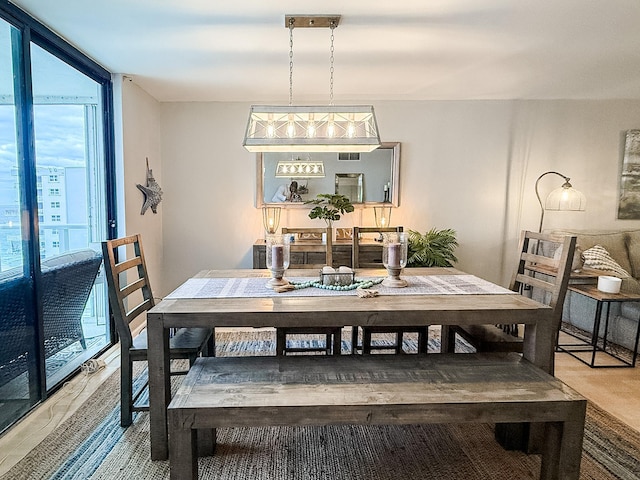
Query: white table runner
{"x": 256, "y": 287}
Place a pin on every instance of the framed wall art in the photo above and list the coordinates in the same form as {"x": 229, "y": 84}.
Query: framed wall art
{"x": 629, "y": 203}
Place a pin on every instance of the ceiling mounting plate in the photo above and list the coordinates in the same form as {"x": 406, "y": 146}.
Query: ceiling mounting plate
{"x": 312, "y": 21}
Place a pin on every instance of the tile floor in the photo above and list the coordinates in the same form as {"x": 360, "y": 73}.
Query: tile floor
{"x": 617, "y": 390}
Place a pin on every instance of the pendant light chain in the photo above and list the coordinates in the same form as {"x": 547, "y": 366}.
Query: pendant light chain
{"x": 333, "y": 26}
{"x": 291, "y": 62}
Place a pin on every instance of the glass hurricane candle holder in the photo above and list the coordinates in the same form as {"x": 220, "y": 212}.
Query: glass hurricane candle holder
{"x": 394, "y": 257}
{"x": 277, "y": 259}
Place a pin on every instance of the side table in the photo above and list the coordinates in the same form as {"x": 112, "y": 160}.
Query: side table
{"x": 593, "y": 347}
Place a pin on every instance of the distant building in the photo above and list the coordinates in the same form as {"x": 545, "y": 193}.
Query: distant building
{"x": 62, "y": 215}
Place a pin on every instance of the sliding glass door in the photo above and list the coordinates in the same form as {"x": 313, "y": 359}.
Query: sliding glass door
{"x": 71, "y": 194}
{"x": 56, "y": 171}
{"x": 19, "y": 378}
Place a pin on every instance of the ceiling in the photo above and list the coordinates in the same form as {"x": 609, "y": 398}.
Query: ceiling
{"x": 208, "y": 50}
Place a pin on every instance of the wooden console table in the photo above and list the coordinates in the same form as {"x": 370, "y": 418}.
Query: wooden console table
{"x": 307, "y": 251}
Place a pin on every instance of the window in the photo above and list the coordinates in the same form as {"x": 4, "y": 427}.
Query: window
{"x": 60, "y": 95}
{"x": 348, "y": 156}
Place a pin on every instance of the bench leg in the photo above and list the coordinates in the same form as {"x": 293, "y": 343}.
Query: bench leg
{"x": 526, "y": 437}
{"x": 206, "y": 440}
{"x": 354, "y": 339}
{"x": 423, "y": 340}
{"x": 562, "y": 450}
{"x": 366, "y": 341}
{"x": 281, "y": 341}
{"x": 183, "y": 455}
{"x": 337, "y": 342}
{"x": 447, "y": 339}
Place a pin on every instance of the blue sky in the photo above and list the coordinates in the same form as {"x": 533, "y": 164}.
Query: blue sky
{"x": 59, "y": 141}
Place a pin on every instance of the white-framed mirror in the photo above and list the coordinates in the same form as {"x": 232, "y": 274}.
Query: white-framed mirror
{"x": 378, "y": 173}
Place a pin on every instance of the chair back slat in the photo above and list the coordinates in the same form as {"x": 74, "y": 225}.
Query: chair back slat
{"x": 326, "y": 246}
{"x": 128, "y": 283}
{"x": 536, "y": 259}
{"x": 355, "y": 245}
{"x": 127, "y": 264}
{"x": 131, "y": 288}
{"x": 535, "y": 253}
{"x": 143, "y": 307}
{"x": 525, "y": 279}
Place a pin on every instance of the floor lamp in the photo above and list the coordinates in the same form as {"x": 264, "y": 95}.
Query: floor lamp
{"x": 564, "y": 198}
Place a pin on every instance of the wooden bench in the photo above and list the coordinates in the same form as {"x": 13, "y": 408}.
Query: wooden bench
{"x": 375, "y": 389}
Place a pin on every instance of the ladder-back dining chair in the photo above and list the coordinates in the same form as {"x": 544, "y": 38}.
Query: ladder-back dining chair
{"x": 398, "y": 332}
{"x": 332, "y": 335}
{"x": 543, "y": 271}
{"x": 130, "y": 295}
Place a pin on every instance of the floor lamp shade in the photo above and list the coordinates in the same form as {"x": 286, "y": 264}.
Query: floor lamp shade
{"x": 566, "y": 198}
{"x": 563, "y": 198}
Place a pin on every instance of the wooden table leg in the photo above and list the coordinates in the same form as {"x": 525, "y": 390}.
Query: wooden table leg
{"x": 159, "y": 386}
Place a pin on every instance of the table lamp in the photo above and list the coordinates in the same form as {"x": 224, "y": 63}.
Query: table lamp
{"x": 382, "y": 217}
{"x": 271, "y": 219}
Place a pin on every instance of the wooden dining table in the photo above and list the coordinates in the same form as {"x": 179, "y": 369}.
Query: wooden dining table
{"x": 284, "y": 310}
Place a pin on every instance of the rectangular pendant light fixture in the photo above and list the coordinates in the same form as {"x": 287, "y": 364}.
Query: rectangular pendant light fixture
{"x": 319, "y": 128}
{"x": 299, "y": 169}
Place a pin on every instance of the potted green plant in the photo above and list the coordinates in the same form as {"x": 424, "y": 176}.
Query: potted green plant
{"x": 329, "y": 207}
{"x": 434, "y": 248}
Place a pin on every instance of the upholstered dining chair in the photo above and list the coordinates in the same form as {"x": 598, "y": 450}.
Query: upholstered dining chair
{"x": 398, "y": 332}
{"x": 332, "y": 335}
{"x": 543, "y": 271}
{"x": 130, "y": 295}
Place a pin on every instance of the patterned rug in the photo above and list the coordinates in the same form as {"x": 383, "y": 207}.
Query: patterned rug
{"x": 92, "y": 445}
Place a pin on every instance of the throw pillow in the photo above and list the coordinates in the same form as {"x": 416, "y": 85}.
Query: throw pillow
{"x": 598, "y": 258}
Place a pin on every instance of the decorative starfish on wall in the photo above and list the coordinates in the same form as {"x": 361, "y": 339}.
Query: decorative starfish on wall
{"x": 152, "y": 192}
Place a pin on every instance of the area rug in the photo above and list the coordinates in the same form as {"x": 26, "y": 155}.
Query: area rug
{"x": 92, "y": 445}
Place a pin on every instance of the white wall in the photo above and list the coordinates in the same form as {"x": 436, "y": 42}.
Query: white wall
{"x": 141, "y": 140}
{"x": 466, "y": 165}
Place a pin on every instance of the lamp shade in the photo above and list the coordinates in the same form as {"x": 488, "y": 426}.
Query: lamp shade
{"x": 563, "y": 198}
{"x": 566, "y": 198}
{"x": 330, "y": 128}
{"x": 382, "y": 216}
{"x": 271, "y": 219}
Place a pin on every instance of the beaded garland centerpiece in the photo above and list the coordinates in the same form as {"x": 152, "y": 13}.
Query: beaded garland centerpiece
{"x": 358, "y": 284}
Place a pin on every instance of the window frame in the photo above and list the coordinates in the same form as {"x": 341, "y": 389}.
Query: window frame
{"x": 29, "y": 30}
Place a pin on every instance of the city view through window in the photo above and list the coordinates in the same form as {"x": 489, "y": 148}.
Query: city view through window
{"x": 70, "y": 192}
